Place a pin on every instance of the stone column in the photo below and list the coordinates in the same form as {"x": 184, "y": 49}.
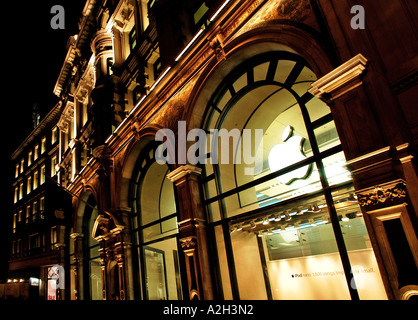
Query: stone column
{"x": 78, "y": 265}
{"x": 192, "y": 228}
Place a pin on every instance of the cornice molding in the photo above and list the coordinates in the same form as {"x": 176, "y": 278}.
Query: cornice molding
{"x": 183, "y": 171}
{"x": 340, "y": 77}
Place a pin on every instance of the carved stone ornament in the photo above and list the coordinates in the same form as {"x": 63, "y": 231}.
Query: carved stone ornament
{"x": 385, "y": 194}
{"x": 188, "y": 243}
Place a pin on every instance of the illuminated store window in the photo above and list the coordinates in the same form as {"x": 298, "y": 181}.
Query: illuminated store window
{"x": 92, "y": 272}
{"x": 155, "y": 230}
{"x": 290, "y": 209}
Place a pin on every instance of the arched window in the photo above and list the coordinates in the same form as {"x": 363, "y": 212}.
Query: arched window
{"x": 155, "y": 230}
{"x": 281, "y": 199}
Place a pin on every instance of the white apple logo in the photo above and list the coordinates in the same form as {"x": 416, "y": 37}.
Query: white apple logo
{"x": 286, "y": 154}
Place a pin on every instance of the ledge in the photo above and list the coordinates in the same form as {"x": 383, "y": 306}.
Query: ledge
{"x": 339, "y": 77}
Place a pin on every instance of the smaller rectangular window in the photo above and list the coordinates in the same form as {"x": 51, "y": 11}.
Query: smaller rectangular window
{"x": 53, "y": 166}
{"x": 34, "y": 210}
{"x": 21, "y": 190}
{"x": 17, "y": 171}
{"x": 54, "y": 237}
{"x": 132, "y": 38}
{"x": 29, "y": 185}
{"x": 54, "y": 137}
{"x": 14, "y": 222}
{"x": 43, "y": 145}
{"x": 36, "y": 152}
{"x": 42, "y": 180}
{"x": 22, "y": 164}
{"x": 29, "y": 158}
{"x": 27, "y": 214}
{"x": 16, "y": 195}
{"x": 35, "y": 179}
{"x": 41, "y": 207}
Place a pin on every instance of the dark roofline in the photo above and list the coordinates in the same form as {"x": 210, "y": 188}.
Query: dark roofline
{"x": 49, "y": 118}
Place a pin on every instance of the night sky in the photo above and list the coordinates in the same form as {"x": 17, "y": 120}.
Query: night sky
{"x": 32, "y": 57}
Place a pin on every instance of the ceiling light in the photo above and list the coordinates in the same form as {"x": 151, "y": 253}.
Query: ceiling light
{"x": 287, "y": 217}
{"x": 252, "y": 224}
{"x": 266, "y": 221}
{"x": 312, "y": 222}
{"x": 277, "y": 217}
{"x": 299, "y": 212}
{"x": 345, "y": 218}
{"x": 239, "y": 227}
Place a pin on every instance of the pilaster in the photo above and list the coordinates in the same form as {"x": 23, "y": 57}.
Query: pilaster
{"x": 192, "y": 228}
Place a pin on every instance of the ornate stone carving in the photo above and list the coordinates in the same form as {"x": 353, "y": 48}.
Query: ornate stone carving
{"x": 382, "y": 194}
{"x": 188, "y": 243}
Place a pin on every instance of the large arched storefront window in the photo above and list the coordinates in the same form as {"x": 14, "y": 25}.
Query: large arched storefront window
{"x": 155, "y": 230}
{"x": 92, "y": 277}
{"x": 286, "y": 225}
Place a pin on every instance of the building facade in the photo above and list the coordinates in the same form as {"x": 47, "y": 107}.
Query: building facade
{"x": 260, "y": 149}
{"x": 38, "y": 226}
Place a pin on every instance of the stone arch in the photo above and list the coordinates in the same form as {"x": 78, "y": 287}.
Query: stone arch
{"x": 144, "y": 137}
{"x": 274, "y": 36}
{"x": 81, "y": 206}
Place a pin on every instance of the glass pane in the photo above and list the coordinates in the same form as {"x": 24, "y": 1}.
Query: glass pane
{"x": 157, "y": 194}
{"x": 317, "y": 109}
{"x": 268, "y": 136}
{"x": 273, "y": 191}
{"x": 335, "y": 169}
{"x": 300, "y": 250}
{"x": 96, "y": 286}
{"x": 159, "y": 230}
{"x": 248, "y": 266}
{"x": 162, "y": 271}
{"x": 155, "y": 274}
{"x": 223, "y": 263}
{"x": 284, "y": 67}
{"x": 167, "y": 201}
{"x": 327, "y": 136}
{"x": 367, "y": 276}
